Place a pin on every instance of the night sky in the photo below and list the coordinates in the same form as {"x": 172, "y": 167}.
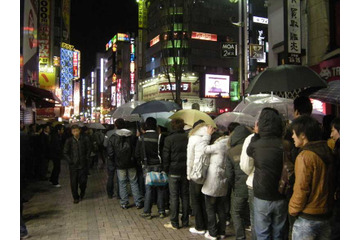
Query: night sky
{"x": 95, "y": 22}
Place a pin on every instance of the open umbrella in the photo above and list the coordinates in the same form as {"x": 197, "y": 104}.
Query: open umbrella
{"x": 190, "y": 116}
{"x": 223, "y": 120}
{"x": 124, "y": 111}
{"x": 331, "y": 94}
{"x": 249, "y": 99}
{"x": 283, "y": 105}
{"x": 285, "y": 78}
{"x": 156, "y": 106}
{"x": 95, "y": 126}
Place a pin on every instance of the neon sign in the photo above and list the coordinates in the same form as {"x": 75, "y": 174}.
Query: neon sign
{"x": 155, "y": 40}
{"x": 204, "y": 36}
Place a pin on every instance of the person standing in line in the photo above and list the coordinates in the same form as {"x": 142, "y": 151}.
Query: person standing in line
{"x": 313, "y": 194}
{"x": 111, "y": 171}
{"x": 248, "y": 167}
{"x": 215, "y": 186}
{"x": 266, "y": 148}
{"x": 77, "y": 153}
{"x": 195, "y": 149}
{"x": 121, "y": 148}
{"x": 56, "y": 154}
{"x": 237, "y": 181}
{"x": 335, "y": 135}
{"x": 150, "y": 141}
{"x": 174, "y": 156}
{"x": 99, "y": 136}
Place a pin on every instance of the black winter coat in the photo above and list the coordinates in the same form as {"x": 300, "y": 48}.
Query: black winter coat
{"x": 77, "y": 152}
{"x": 174, "y": 153}
{"x": 151, "y": 149}
{"x": 116, "y": 142}
{"x": 266, "y": 148}
{"x": 236, "y": 177}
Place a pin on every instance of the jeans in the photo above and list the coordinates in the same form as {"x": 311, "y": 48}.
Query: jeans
{"x": 240, "y": 215}
{"x": 125, "y": 175}
{"x": 78, "y": 179}
{"x": 270, "y": 218}
{"x": 198, "y": 206}
{"x": 54, "y": 178}
{"x": 149, "y": 190}
{"x": 179, "y": 188}
{"x": 311, "y": 230}
{"x": 110, "y": 180}
{"x": 216, "y": 206}
{"x": 251, "y": 207}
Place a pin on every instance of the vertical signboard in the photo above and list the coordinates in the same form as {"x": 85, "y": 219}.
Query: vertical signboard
{"x": 118, "y": 93}
{"x": 47, "y": 77}
{"x": 113, "y": 96}
{"x": 132, "y": 66}
{"x": 76, "y": 64}
{"x": 66, "y": 73}
{"x": 44, "y": 32}
{"x": 30, "y": 30}
{"x": 66, "y": 19}
{"x": 76, "y": 97}
{"x": 293, "y": 31}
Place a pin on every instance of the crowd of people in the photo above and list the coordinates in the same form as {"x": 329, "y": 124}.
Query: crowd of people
{"x": 241, "y": 184}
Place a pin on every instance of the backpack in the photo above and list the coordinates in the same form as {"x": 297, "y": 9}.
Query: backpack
{"x": 199, "y": 171}
{"x": 287, "y": 174}
{"x": 123, "y": 150}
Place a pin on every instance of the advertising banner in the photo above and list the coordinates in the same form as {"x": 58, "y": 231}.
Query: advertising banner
{"x": 113, "y": 96}
{"x": 76, "y": 97}
{"x": 30, "y": 30}
{"x": 204, "y": 36}
{"x": 44, "y": 32}
{"x": 47, "y": 77}
{"x": 328, "y": 69}
{"x": 76, "y": 64}
{"x": 256, "y": 51}
{"x": 66, "y": 75}
{"x": 229, "y": 49}
{"x": 165, "y": 87}
{"x": 217, "y": 86}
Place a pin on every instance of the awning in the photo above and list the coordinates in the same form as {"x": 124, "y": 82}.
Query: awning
{"x": 331, "y": 94}
{"x": 41, "y": 97}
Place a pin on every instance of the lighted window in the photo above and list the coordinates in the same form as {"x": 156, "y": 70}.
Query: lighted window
{"x": 177, "y": 44}
{"x": 177, "y": 10}
{"x": 170, "y": 60}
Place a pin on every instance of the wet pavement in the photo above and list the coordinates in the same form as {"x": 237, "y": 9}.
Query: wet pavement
{"x": 51, "y": 214}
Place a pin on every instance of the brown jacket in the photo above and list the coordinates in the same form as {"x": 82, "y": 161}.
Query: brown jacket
{"x": 313, "y": 189}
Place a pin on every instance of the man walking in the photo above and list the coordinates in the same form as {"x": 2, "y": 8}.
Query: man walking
{"x": 313, "y": 194}
{"x": 121, "y": 148}
{"x": 77, "y": 154}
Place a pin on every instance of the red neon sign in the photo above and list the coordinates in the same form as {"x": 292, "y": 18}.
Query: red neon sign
{"x": 204, "y": 36}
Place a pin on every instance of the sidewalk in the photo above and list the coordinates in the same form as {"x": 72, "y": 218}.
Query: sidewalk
{"x": 51, "y": 214}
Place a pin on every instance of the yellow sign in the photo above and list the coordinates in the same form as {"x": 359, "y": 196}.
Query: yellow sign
{"x": 67, "y": 46}
{"x": 47, "y": 79}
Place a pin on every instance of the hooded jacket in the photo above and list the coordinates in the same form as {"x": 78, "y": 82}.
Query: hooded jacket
{"x": 236, "y": 177}
{"x": 313, "y": 189}
{"x": 116, "y": 142}
{"x": 267, "y": 151}
{"x": 174, "y": 153}
{"x": 215, "y": 184}
{"x": 195, "y": 146}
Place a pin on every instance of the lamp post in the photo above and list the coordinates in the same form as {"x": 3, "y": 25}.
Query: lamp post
{"x": 242, "y": 54}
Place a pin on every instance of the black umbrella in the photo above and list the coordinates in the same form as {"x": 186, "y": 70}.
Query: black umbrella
{"x": 285, "y": 78}
{"x": 156, "y": 106}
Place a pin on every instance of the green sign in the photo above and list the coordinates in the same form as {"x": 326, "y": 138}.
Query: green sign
{"x": 234, "y": 91}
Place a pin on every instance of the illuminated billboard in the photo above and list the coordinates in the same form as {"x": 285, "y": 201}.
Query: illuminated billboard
{"x": 132, "y": 66}
{"x": 44, "y": 32}
{"x": 77, "y": 98}
{"x": 217, "y": 86}
{"x": 113, "y": 96}
{"x": 204, "y": 36}
{"x": 30, "y": 30}
{"x": 66, "y": 73}
{"x": 47, "y": 77}
{"x": 122, "y": 37}
{"x": 76, "y": 64}
{"x": 155, "y": 40}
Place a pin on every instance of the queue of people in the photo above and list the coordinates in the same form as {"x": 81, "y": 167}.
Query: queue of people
{"x": 242, "y": 177}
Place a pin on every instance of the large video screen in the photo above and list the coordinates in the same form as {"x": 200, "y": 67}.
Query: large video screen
{"x": 217, "y": 86}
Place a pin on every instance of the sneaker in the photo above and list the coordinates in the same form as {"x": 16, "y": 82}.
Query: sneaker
{"x": 124, "y": 206}
{"x": 162, "y": 215}
{"x": 146, "y": 215}
{"x": 193, "y": 230}
{"x": 170, "y": 226}
{"x": 248, "y": 228}
{"x": 208, "y": 236}
{"x": 57, "y": 185}
{"x": 140, "y": 206}
{"x": 76, "y": 201}
{"x": 227, "y": 223}
{"x": 222, "y": 236}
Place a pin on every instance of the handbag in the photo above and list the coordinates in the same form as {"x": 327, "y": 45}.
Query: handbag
{"x": 154, "y": 178}
{"x": 287, "y": 173}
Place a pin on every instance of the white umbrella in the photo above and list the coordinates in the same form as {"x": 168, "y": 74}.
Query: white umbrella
{"x": 222, "y": 121}
{"x": 248, "y": 100}
{"x": 283, "y": 105}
